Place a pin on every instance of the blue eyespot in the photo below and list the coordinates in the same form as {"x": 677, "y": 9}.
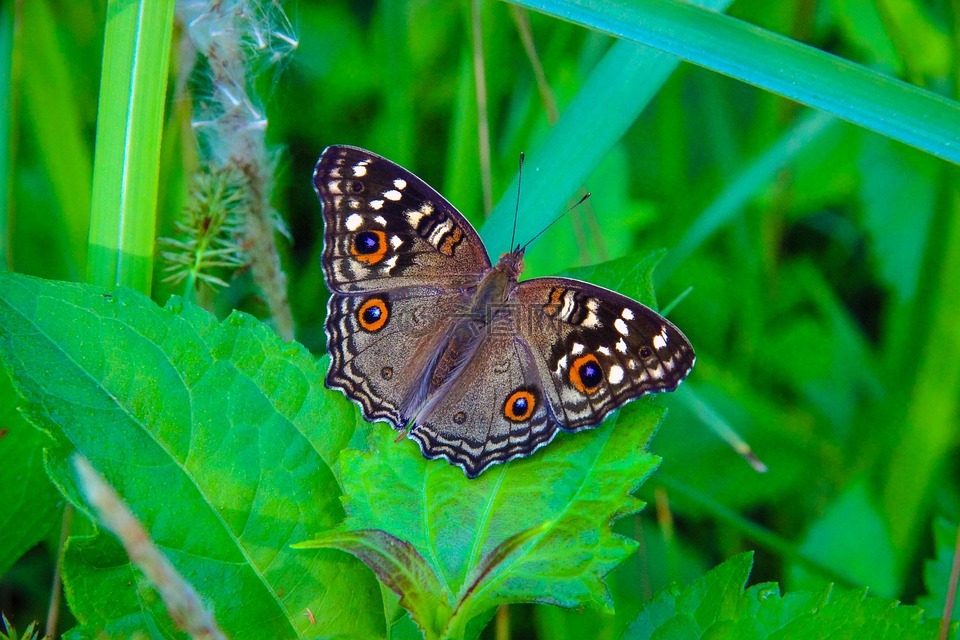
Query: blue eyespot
{"x": 372, "y": 314}
{"x": 366, "y": 242}
{"x": 590, "y": 374}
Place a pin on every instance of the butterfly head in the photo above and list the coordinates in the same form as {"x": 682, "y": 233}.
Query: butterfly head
{"x": 511, "y": 263}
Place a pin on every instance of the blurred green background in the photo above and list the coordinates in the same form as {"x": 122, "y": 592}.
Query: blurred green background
{"x": 815, "y": 266}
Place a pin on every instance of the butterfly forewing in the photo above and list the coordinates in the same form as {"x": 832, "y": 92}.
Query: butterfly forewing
{"x": 385, "y": 228}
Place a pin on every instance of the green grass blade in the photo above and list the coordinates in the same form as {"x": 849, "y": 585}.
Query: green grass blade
{"x": 129, "y": 124}
{"x": 773, "y": 62}
{"x": 617, "y": 91}
{"x": 930, "y": 427}
{"x": 52, "y": 112}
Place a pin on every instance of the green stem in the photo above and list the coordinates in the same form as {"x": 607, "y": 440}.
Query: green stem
{"x": 136, "y": 56}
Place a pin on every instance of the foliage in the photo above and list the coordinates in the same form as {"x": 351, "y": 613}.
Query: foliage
{"x": 718, "y": 606}
{"x": 811, "y": 262}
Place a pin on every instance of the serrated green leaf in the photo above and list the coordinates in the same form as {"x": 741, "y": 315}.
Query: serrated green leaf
{"x": 579, "y": 484}
{"x": 717, "y": 607}
{"x": 218, "y": 436}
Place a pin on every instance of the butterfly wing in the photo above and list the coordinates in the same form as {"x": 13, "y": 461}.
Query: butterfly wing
{"x": 595, "y": 349}
{"x": 385, "y": 228}
{"x": 492, "y": 411}
{"x": 382, "y": 346}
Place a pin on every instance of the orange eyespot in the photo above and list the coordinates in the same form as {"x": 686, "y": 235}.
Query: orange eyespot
{"x": 369, "y": 247}
{"x": 586, "y": 374}
{"x": 519, "y": 406}
{"x": 373, "y": 314}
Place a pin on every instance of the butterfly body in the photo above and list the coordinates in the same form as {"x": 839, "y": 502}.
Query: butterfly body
{"x": 426, "y": 334}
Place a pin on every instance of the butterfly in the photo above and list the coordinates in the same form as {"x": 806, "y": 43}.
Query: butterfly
{"x": 425, "y": 333}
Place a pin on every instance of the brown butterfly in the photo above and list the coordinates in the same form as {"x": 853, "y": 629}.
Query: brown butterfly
{"x": 424, "y": 333}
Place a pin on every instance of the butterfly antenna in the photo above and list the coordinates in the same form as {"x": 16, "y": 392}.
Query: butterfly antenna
{"x": 516, "y": 212}
{"x": 557, "y": 219}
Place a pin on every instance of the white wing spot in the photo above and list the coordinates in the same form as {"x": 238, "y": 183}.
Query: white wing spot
{"x": 659, "y": 341}
{"x": 380, "y": 220}
{"x": 621, "y": 346}
{"x": 437, "y": 235}
{"x": 334, "y": 173}
{"x": 567, "y": 309}
{"x": 354, "y": 221}
{"x": 391, "y": 262}
{"x": 395, "y": 242}
{"x": 360, "y": 169}
{"x": 354, "y": 203}
{"x": 577, "y": 349}
{"x": 334, "y": 186}
{"x": 632, "y": 365}
{"x": 561, "y": 364}
{"x": 591, "y": 321}
{"x": 615, "y": 375}
{"x": 627, "y": 314}
{"x": 605, "y": 351}
{"x": 414, "y": 217}
{"x": 376, "y": 204}
{"x": 392, "y": 194}
{"x": 593, "y": 304}
{"x": 621, "y": 327}
{"x": 400, "y": 183}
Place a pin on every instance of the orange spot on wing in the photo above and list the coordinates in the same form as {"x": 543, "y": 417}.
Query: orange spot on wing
{"x": 575, "y": 378}
{"x": 376, "y": 256}
{"x": 377, "y": 324}
{"x": 511, "y": 413}
{"x": 451, "y": 241}
{"x": 556, "y": 299}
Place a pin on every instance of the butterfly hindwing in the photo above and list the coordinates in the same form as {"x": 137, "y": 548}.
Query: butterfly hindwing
{"x": 385, "y": 228}
{"x": 596, "y": 349}
{"x": 494, "y": 410}
{"x": 370, "y": 338}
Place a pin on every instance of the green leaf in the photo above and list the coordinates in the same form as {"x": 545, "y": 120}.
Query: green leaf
{"x": 577, "y": 486}
{"x": 851, "y": 537}
{"x": 28, "y": 502}
{"x": 716, "y": 606}
{"x": 219, "y": 437}
{"x": 937, "y": 572}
